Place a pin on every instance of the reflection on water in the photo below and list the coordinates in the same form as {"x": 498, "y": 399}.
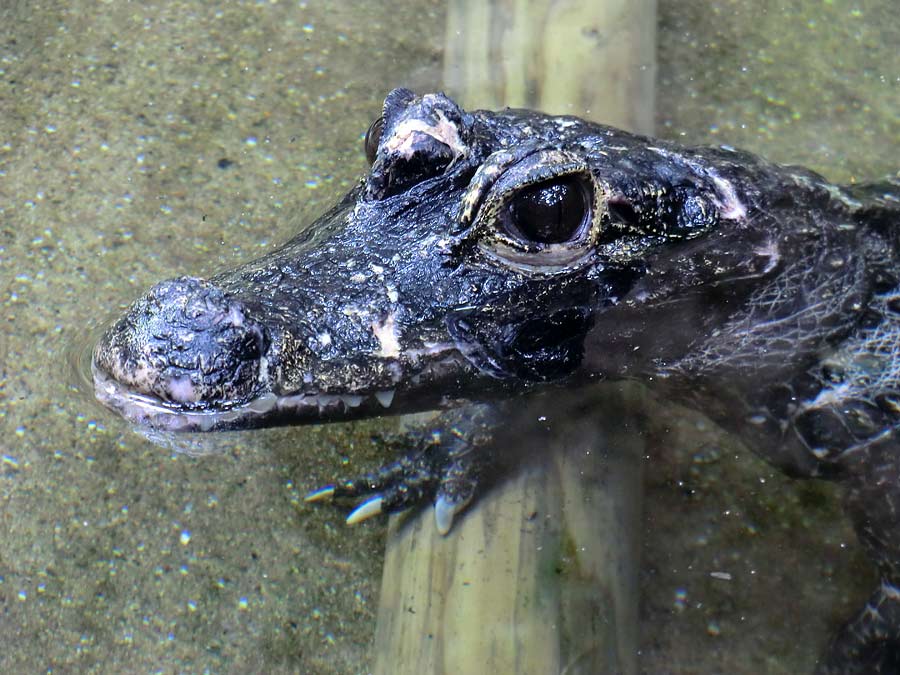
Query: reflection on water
{"x": 76, "y": 355}
{"x": 137, "y": 144}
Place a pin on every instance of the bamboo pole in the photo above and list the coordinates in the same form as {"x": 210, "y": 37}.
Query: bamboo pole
{"x": 540, "y": 575}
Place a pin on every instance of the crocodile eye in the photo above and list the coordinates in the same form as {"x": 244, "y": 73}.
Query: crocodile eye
{"x": 373, "y": 136}
{"x": 552, "y": 212}
{"x": 539, "y": 211}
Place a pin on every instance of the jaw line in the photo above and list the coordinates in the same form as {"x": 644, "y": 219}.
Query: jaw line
{"x": 270, "y": 409}
{"x": 264, "y": 410}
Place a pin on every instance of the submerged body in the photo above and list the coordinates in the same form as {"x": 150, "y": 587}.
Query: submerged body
{"x": 489, "y": 254}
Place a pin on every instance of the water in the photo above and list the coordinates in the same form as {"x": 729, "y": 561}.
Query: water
{"x": 142, "y": 142}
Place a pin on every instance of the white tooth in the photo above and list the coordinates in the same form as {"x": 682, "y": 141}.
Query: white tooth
{"x": 294, "y": 401}
{"x": 385, "y": 398}
{"x": 263, "y": 404}
{"x": 325, "y": 400}
{"x": 207, "y": 422}
{"x": 352, "y": 400}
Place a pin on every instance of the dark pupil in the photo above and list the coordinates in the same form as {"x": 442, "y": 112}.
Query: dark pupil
{"x": 551, "y": 212}
{"x": 373, "y": 136}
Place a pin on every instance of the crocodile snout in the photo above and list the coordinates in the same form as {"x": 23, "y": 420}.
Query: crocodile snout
{"x": 187, "y": 344}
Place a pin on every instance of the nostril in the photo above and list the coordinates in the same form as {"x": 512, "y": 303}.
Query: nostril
{"x": 187, "y": 342}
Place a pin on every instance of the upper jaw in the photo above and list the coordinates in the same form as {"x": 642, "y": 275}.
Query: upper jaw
{"x": 188, "y": 357}
{"x": 271, "y": 409}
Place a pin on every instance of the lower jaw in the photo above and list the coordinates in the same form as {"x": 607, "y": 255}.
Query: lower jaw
{"x": 263, "y": 411}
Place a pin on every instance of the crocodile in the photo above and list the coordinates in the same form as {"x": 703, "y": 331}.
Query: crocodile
{"x": 486, "y": 255}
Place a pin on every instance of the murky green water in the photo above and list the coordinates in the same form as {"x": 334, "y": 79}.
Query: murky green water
{"x": 141, "y": 141}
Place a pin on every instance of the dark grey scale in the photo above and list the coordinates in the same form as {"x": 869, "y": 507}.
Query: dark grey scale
{"x": 889, "y": 402}
{"x": 780, "y": 401}
{"x": 829, "y": 432}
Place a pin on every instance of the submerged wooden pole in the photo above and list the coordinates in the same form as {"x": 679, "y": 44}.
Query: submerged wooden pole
{"x": 590, "y": 58}
{"x": 540, "y": 575}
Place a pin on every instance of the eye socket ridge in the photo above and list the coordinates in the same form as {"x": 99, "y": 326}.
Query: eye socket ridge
{"x": 533, "y": 200}
{"x": 536, "y": 210}
{"x": 546, "y": 227}
{"x": 549, "y": 212}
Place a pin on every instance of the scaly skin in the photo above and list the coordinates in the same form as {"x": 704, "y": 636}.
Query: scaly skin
{"x": 489, "y": 254}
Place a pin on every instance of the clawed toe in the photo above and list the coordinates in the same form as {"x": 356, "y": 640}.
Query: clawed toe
{"x": 445, "y": 510}
{"x": 368, "y": 509}
{"x": 323, "y": 494}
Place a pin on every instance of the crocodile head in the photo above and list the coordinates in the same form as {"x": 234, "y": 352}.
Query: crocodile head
{"x": 477, "y": 255}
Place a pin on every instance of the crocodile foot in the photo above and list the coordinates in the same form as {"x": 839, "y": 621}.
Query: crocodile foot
{"x": 445, "y": 470}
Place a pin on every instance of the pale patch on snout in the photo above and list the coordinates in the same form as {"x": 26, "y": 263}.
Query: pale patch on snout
{"x": 388, "y": 337}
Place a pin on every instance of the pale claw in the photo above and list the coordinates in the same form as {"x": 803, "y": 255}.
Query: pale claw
{"x": 366, "y": 510}
{"x": 322, "y": 494}
{"x": 445, "y": 511}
